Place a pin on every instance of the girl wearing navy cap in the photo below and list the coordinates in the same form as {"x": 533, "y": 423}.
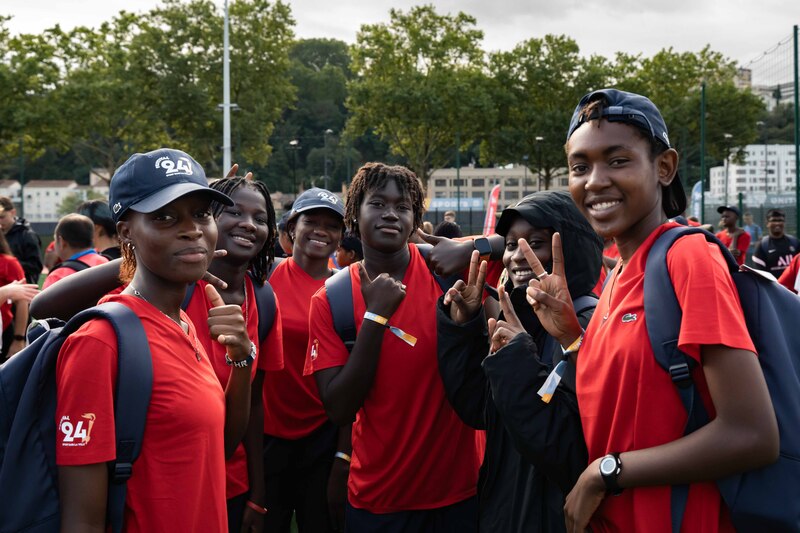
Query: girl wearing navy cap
{"x": 622, "y": 177}
{"x": 305, "y": 454}
{"x": 162, "y": 205}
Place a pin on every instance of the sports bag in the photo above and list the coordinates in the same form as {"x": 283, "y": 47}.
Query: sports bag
{"x": 765, "y": 499}
{"x": 28, "y": 471}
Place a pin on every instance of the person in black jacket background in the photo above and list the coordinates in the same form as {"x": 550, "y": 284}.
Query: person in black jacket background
{"x": 24, "y": 242}
{"x": 535, "y": 451}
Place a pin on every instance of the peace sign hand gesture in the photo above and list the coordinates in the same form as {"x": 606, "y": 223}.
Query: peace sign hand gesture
{"x": 464, "y": 299}
{"x": 549, "y": 294}
{"x": 502, "y": 331}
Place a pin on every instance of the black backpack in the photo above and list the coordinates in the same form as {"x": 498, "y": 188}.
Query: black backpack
{"x": 28, "y": 472}
{"x": 339, "y": 291}
{"x": 74, "y": 264}
{"x": 761, "y": 499}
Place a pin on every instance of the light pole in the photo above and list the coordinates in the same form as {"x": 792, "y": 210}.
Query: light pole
{"x": 525, "y": 179}
{"x": 762, "y": 125}
{"x": 294, "y": 145}
{"x": 727, "y": 137}
{"x": 539, "y": 156}
{"x": 325, "y": 140}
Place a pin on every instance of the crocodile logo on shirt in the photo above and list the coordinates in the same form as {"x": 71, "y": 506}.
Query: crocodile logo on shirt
{"x": 629, "y": 317}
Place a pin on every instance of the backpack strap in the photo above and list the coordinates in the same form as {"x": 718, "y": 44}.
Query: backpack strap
{"x": 765, "y": 245}
{"x": 339, "y": 291}
{"x": 663, "y": 320}
{"x": 74, "y": 264}
{"x": 265, "y": 306}
{"x": 188, "y": 298}
{"x": 132, "y": 397}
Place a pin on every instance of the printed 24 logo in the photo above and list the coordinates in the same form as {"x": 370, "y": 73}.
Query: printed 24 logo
{"x": 183, "y": 166}
{"x": 77, "y": 434}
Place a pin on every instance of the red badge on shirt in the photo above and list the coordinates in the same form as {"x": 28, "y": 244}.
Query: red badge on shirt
{"x": 76, "y": 431}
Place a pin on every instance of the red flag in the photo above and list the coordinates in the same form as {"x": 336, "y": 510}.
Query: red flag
{"x": 491, "y": 211}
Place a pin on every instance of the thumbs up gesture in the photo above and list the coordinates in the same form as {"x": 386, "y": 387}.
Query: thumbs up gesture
{"x": 382, "y": 295}
{"x": 227, "y": 326}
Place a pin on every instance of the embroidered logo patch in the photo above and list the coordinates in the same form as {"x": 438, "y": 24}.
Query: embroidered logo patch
{"x": 79, "y": 433}
{"x": 629, "y": 317}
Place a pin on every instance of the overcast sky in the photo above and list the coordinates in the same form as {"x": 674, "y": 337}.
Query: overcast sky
{"x": 740, "y": 29}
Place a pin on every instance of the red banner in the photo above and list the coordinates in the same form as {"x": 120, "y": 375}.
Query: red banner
{"x": 490, "y": 221}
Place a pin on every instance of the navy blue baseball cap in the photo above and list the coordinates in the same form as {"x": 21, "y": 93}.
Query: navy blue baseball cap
{"x": 721, "y": 209}
{"x": 316, "y": 198}
{"x": 146, "y": 182}
{"x": 640, "y": 112}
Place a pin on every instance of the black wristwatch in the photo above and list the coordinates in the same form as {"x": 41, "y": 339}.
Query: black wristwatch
{"x": 18, "y": 337}
{"x": 484, "y": 247}
{"x": 610, "y": 468}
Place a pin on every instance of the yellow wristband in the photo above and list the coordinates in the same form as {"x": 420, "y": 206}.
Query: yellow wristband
{"x": 575, "y": 346}
{"x": 343, "y": 456}
{"x": 383, "y": 321}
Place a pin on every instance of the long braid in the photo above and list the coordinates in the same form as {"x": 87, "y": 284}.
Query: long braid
{"x": 260, "y": 265}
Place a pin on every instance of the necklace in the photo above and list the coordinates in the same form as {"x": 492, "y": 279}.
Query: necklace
{"x": 176, "y": 322}
{"x": 611, "y": 291}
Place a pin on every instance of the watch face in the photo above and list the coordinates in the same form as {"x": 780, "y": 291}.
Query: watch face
{"x": 608, "y": 465}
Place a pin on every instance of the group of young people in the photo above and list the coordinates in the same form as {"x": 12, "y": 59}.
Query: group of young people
{"x": 383, "y": 430}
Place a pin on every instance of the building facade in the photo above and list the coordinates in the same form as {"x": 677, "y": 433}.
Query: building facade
{"x": 766, "y": 169}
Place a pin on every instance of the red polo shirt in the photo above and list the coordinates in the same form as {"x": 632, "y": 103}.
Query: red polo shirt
{"x": 269, "y": 357}
{"x": 410, "y": 449}
{"x": 627, "y": 402}
{"x": 292, "y": 408}
{"x": 10, "y": 271}
{"x": 178, "y": 481}
{"x": 742, "y": 243}
{"x": 91, "y": 259}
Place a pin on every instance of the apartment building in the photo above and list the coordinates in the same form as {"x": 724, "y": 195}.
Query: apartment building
{"x": 766, "y": 169}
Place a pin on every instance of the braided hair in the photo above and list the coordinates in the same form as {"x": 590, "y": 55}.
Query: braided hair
{"x": 373, "y": 177}
{"x": 260, "y": 265}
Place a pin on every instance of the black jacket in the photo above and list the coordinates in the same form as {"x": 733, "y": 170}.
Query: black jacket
{"x": 27, "y": 248}
{"x": 535, "y": 451}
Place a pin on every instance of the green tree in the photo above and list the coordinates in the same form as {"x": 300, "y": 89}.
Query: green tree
{"x": 673, "y": 80}
{"x": 536, "y": 87}
{"x": 71, "y": 202}
{"x": 419, "y": 83}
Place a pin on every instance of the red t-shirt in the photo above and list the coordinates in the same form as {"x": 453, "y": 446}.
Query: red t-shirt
{"x": 292, "y": 408}
{"x": 410, "y": 449}
{"x": 742, "y": 243}
{"x": 269, "y": 356}
{"x": 788, "y": 279}
{"x": 10, "y": 271}
{"x": 92, "y": 259}
{"x": 178, "y": 481}
{"x": 627, "y": 402}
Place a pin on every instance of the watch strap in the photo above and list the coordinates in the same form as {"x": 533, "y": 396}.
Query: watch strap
{"x": 247, "y": 361}
{"x": 610, "y": 479}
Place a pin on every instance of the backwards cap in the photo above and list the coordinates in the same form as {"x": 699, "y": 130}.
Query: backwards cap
{"x": 640, "y": 112}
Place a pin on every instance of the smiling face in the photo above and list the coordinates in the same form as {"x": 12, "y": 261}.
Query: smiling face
{"x": 244, "y": 227}
{"x": 174, "y": 243}
{"x": 386, "y": 218}
{"x": 540, "y": 239}
{"x": 316, "y": 233}
{"x": 615, "y": 181}
{"x": 775, "y": 226}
